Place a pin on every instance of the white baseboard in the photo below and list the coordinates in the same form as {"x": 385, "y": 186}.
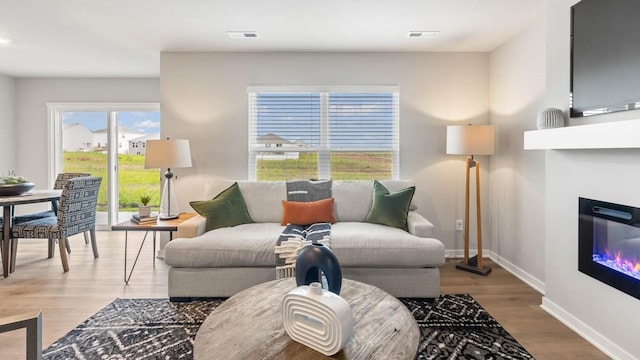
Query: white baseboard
{"x": 595, "y": 338}
{"x": 527, "y": 278}
{"x": 511, "y": 268}
{"x": 454, "y": 254}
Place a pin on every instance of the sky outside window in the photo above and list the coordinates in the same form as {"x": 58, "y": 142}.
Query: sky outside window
{"x": 147, "y": 122}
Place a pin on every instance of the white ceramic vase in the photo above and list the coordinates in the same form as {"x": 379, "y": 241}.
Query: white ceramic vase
{"x": 317, "y": 318}
{"x": 550, "y": 118}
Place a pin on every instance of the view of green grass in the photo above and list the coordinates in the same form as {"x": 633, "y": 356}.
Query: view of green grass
{"x": 344, "y": 166}
{"x": 134, "y": 180}
{"x": 304, "y": 167}
{"x": 361, "y": 166}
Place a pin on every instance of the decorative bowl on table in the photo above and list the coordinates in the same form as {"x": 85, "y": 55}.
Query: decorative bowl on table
{"x": 15, "y": 189}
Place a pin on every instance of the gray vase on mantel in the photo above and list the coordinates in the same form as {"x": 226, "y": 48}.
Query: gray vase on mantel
{"x": 551, "y": 118}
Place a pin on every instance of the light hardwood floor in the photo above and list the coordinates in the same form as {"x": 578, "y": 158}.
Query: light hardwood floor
{"x": 68, "y": 299}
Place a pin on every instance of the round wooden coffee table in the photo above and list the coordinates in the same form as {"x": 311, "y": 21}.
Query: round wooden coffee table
{"x": 249, "y": 326}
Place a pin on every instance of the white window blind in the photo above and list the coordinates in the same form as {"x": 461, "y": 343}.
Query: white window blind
{"x": 323, "y": 134}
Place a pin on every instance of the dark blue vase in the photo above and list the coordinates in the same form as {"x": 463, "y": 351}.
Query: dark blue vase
{"x": 314, "y": 259}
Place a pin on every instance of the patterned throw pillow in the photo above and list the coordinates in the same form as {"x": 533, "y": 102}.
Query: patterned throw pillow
{"x": 309, "y": 212}
{"x": 226, "y": 209}
{"x": 390, "y": 209}
{"x": 308, "y": 190}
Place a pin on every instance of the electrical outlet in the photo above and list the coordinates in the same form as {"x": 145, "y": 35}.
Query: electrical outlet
{"x": 459, "y": 225}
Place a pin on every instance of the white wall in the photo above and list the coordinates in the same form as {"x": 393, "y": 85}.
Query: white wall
{"x": 534, "y": 194}
{"x": 204, "y": 99}
{"x": 7, "y": 124}
{"x": 32, "y": 96}
{"x": 605, "y": 315}
{"x": 517, "y": 88}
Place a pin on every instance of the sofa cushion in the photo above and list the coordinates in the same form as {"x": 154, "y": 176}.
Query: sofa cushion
{"x": 263, "y": 199}
{"x": 242, "y": 245}
{"x": 308, "y": 190}
{"x": 357, "y": 244}
{"x": 388, "y": 208}
{"x": 226, "y": 209}
{"x": 309, "y": 212}
{"x": 353, "y": 198}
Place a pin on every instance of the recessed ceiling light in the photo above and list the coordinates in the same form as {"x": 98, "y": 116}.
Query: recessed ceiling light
{"x": 5, "y": 41}
{"x": 423, "y": 34}
{"x": 242, "y": 34}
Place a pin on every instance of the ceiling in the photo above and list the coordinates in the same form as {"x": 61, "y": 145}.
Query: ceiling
{"x": 124, "y": 38}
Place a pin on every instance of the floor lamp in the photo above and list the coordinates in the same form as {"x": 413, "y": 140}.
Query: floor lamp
{"x": 169, "y": 153}
{"x": 471, "y": 140}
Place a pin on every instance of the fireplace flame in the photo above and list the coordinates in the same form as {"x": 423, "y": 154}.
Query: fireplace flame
{"x": 618, "y": 262}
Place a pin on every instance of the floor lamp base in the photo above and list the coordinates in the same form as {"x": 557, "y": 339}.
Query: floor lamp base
{"x": 472, "y": 266}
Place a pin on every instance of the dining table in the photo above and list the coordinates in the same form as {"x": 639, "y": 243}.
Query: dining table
{"x": 8, "y": 203}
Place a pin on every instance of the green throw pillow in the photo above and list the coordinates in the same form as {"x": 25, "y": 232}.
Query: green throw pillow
{"x": 390, "y": 209}
{"x": 226, "y": 209}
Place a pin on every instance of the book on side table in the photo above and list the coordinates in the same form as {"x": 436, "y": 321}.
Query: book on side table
{"x": 136, "y": 218}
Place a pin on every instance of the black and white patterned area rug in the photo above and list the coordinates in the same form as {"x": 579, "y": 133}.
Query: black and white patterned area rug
{"x": 452, "y": 327}
{"x": 457, "y": 327}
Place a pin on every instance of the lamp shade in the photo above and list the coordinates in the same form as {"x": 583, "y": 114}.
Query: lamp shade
{"x": 169, "y": 153}
{"x": 470, "y": 139}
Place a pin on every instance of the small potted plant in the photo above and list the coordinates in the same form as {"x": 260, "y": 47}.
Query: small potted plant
{"x": 144, "y": 209}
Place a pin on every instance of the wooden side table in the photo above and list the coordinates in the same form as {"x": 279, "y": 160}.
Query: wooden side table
{"x": 160, "y": 225}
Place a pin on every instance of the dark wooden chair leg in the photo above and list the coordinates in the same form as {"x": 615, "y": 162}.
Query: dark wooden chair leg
{"x": 14, "y": 252}
{"x": 94, "y": 244}
{"x": 63, "y": 254}
{"x": 52, "y": 248}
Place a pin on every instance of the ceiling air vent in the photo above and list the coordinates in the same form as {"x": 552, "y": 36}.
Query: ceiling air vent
{"x": 242, "y": 34}
{"x": 423, "y": 34}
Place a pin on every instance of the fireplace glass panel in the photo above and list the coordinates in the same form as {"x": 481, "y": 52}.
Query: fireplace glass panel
{"x": 617, "y": 246}
{"x": 609, "y": 244}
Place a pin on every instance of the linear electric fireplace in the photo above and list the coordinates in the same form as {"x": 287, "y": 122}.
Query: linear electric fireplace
{"x": 609, "y": 244}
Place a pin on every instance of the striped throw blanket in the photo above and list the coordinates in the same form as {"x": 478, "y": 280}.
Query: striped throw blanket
{"x": 292, "y": 239}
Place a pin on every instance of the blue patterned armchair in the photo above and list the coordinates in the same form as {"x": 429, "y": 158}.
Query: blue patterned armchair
{"x": 76, "y": 214}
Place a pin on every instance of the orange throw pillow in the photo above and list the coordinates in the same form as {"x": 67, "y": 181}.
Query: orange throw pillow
{"x": 305, "y": 213}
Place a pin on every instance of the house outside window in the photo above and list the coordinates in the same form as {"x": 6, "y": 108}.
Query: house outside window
{"x": 342, "y": 133}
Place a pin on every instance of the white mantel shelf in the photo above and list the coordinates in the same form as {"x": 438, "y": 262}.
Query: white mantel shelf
{"x": 611, "y": 135}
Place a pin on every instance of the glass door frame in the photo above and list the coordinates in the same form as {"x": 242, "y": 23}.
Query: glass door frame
{"x": 55, "y": 129}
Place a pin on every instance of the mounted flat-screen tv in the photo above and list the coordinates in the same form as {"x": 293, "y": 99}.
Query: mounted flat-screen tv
{"x": 605, "y": 57}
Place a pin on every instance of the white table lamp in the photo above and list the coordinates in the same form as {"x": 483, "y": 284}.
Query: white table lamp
{"x": 169, "y": 153}
{"x": 471, "y": 140}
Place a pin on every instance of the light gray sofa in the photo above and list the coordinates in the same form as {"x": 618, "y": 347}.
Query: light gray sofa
{"x": 224, "y": 261}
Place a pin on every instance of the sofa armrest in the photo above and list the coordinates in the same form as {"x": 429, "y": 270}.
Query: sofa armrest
{"x": 193, "y": 227}
{"x": 418, "y": 225}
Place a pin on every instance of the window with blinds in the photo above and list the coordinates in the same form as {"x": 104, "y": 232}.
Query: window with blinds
{"x": 319, "y": 134}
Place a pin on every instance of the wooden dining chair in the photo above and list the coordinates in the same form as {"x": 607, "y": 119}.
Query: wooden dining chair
{"x": 76, "y": 214}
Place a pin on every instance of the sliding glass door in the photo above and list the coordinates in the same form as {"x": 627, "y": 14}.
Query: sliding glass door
{"x": 107, "y": 140}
